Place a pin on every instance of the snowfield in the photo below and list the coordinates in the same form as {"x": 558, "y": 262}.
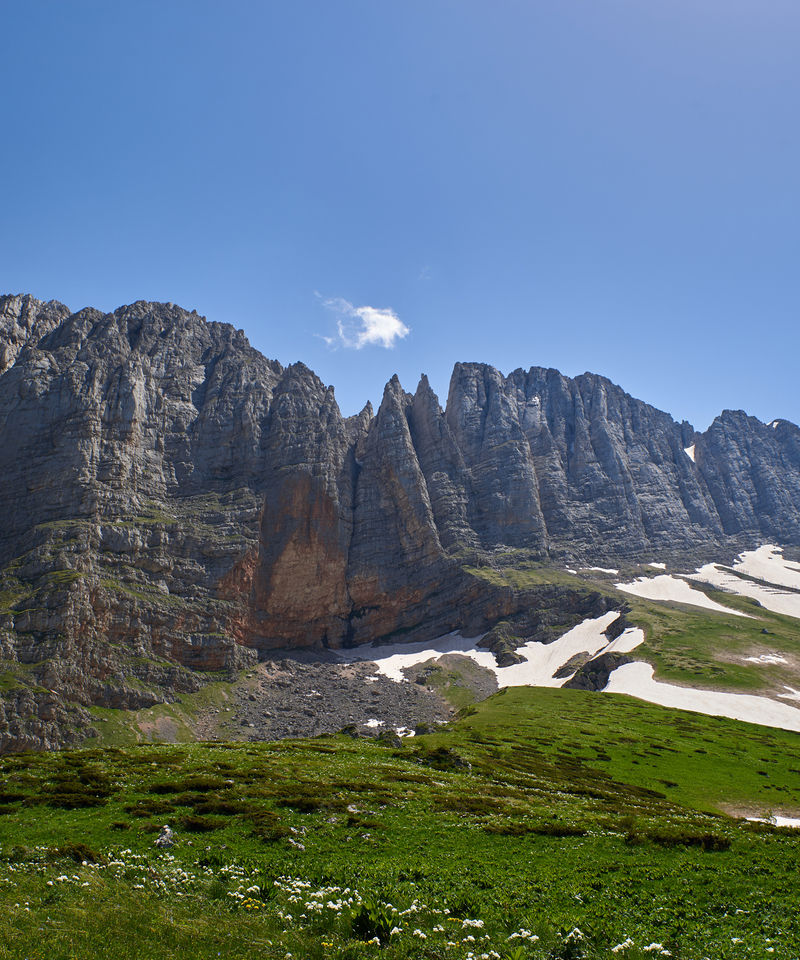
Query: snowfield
{"x": 772, "y": 598}
{"x": 636, "y": 680}
{"x": 767, "y": 658}
{"x": 766, "y": 563}
{"x": 777, "y": 821}
{"x": 668, "y": 588}
{"x": 542, "y": 660}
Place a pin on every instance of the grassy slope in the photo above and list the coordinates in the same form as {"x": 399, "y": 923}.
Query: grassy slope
{"x": 710, "y": 763}
{"x": 164, "y": 722}
{"x": 541, "y": 810}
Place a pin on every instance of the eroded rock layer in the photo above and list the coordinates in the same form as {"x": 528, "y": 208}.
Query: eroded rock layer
{"x": 174, "y": 502}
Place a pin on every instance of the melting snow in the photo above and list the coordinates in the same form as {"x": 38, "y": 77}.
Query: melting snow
{"x": 636, "y": 680}
{"x": 669, "y": 588}
{"x": 777, "y": 821}
{"x": 766, "y": 563}
{"x": 689, "y": 451}
{"x": 610, "y": 570}
{"x": 772, "y": 598}
{"x": 393, "y": 658}
{"x": 627, "y": 641}
{"x": 541, "y": 660}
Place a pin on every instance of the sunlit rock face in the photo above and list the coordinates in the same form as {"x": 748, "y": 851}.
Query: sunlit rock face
{"x": 172, "y": 501}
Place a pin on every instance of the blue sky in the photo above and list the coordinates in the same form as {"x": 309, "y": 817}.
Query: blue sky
{"x": 381, "y": 186}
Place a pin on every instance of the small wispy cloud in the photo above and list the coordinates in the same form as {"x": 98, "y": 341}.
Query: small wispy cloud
{"x": 359, "y": 327}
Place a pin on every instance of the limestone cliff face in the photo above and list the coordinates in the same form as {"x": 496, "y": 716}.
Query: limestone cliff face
{"x": 174, "y": 502}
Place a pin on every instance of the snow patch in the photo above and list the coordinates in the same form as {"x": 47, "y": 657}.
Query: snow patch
{"x": 373, "y": 723}
{"x": 767, "y": 658}
{"x": 541, "y": 660}
{"x": 777, "y": 821}
{"x": 636, "y": 680}
{"x": 658, "y": 566}
{"x": 791, "y": 695}
{"x": 610, "y": 570}
{"x": 771, "y": 598}
{"x": 393, "y": 658}
{"x": 626, "y": 641}
{"x": 667, "y": 588}
{"x": 766, "y": 563}
{"x": 689, "y": 451}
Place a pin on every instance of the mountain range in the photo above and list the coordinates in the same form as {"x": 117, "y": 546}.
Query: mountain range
{"x": 174, "y": 504}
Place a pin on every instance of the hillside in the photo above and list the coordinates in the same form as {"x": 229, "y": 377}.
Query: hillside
{"x": 539, "y": 814}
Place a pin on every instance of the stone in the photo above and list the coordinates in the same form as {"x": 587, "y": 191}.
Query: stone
{"x": 174, "y": 504}
{"x": 165, "y": 838}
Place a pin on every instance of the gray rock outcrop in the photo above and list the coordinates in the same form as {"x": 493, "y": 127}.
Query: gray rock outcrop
{"x": 173, "y": 503}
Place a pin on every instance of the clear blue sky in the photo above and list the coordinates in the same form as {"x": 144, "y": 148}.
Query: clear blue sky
{"x": 611, "y": 185}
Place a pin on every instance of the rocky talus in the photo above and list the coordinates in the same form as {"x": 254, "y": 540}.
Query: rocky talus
{"x": 175, "y": 505}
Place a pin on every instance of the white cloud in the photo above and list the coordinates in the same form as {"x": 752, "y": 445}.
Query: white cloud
{"x": 359, "y": 327}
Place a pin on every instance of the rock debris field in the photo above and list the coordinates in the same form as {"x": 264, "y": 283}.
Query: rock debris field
{"x": 299, "y": 696}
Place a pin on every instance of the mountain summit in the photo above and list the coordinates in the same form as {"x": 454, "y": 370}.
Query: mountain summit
{"x": 173, "y": 501}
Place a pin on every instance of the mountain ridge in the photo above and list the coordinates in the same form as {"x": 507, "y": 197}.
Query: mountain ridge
{"x": 174, "y": 501}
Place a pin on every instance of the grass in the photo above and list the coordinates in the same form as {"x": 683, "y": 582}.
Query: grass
{"x": 455, "y": 678}
{"x": 174, "y": 722}
{"x": 708, "y": 763}
{"x": 708, "y": 649}
{"x": 538, "y": 812}
{"x": 529, "y": 574}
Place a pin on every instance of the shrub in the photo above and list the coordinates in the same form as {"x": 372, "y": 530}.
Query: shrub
{"x": 199, "y": 824}
{"x": 9, "y": 796}
{"x": 708, "y": 842}
{"x": 553, "y": 829}
{"x": 195, "y": 783}
{"x": 228, "y": 807}
{"x": 371, "y": 919}
{"x": 74, "y": 800}
{"x": 75, "y": 851}
{"x": 267, "y": 826}
{"x": 149, "y": 808}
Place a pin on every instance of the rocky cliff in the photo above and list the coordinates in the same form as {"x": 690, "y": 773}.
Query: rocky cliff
{"x": 173, "y": 502}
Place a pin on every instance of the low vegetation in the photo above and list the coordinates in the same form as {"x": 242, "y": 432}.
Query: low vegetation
{"x": 541, "y": 824}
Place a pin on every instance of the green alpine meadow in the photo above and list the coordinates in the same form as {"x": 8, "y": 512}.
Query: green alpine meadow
{"x": 538, "y": 824}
